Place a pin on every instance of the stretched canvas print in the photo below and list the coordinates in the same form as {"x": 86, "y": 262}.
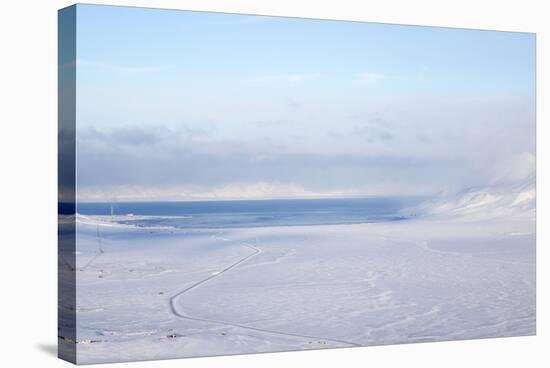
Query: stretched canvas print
{"x": 234, "y": 184}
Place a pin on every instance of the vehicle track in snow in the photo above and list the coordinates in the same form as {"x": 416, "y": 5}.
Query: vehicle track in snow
{"x": 180, "y": 314}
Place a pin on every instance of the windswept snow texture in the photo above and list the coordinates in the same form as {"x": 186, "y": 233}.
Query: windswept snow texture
{"x": 464, "y": 270}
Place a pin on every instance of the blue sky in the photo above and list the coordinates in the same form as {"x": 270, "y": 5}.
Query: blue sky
{"x": 287, "y": 106}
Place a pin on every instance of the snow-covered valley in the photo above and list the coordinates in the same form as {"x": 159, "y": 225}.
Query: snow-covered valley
{"x": 145, "y": 293}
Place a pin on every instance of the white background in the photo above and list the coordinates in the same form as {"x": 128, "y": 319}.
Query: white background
{"x": 28, "y": 205}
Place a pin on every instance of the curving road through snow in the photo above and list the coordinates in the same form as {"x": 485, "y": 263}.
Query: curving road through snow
{"x": 180, "y": 314}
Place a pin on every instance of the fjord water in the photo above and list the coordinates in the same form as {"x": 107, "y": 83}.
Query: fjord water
{"x": 254, "y": 213}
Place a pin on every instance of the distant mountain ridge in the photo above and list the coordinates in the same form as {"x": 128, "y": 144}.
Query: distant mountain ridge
{"x": 517, "y": 199}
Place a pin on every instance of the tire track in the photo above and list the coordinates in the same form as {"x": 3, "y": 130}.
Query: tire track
{"x": 100, "y": 251}
{"x": 256, "y": 251}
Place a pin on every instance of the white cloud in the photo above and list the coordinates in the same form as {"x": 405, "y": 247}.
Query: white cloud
{"x": 515, "y": 168}
{"x": 292, "y": 78}
{"x": 424, "y": 145}
{"x": 370, "y": 78}
{"x": 233, "y": 191}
